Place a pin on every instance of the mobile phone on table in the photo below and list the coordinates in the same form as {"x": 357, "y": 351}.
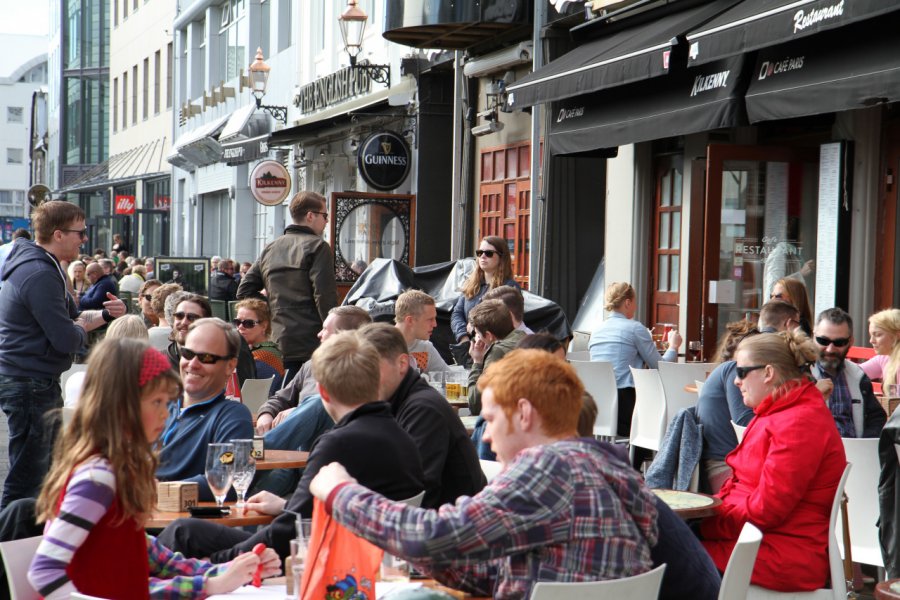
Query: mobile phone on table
{"x": 208, "y": 512}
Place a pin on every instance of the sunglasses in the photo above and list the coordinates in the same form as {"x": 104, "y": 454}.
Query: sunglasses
{"x": 742, "y": 372}
{"x": 838, "y": 343}
{"x": 204, "y": 357}
{"x": 488, "y": 253}
{"x": 189, "y": 316}
{"x": 246, "y": 323}
{"x": 82, "y": 233}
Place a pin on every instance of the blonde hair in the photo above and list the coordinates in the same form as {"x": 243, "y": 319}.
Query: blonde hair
{"x": 127, "y": 326}
{"x": 348, "y": 367}
{"x": 260, "y": 307}
{"x": 107, "y": 421}
{"x": 411, "y": 303}
{"x": 71, "y": 271}
{"x": 889, "y": 320}
{"x": 788, "y": 352}
{"x": 503, "y": 274}
{"x": 617, "y": 293}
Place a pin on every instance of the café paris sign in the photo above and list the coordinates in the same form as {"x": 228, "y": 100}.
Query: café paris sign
{"x": 270, "y": 182}
{"x": 383, "y": 160}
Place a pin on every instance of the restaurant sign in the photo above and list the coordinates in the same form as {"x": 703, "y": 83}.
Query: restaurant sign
{"x": 383, "y": 160}
{"x": 124, "y": 205}
{"x": 332, "y": 89}
{"x": 270, "y": 182}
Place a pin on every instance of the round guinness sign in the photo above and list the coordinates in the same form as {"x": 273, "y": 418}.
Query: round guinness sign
{"x": 383, "y": 160}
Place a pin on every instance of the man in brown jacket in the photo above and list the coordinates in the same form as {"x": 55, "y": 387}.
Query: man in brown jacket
{"x": 297, "y": 272}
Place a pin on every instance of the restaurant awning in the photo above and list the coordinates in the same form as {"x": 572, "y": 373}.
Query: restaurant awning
{"x": 199, "y": 146}
{"x": 625, "y": 57}
{"x": 825, "y": 74}
{"x": 688, "y": 101}
{"x": 755, "y": 24}
{"x": 141, "y": 162}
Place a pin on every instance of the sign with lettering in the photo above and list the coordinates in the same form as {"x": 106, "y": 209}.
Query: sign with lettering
{"x": 270, "y": 182}
{"x": 383, "y": 160}
{"x": 332, "y": 89}
{"x": 124, "y": 205}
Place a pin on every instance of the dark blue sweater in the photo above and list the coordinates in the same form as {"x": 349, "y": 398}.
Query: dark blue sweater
{"x": 94, "y": 298}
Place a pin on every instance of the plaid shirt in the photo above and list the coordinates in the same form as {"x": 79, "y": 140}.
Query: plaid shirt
{"x": 841, "y": 403}
{"x": 173, "y": 577}
{"x": 566, "y": 511}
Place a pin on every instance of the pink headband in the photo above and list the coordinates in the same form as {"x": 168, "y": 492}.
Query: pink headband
{"x": 153, "y": 364}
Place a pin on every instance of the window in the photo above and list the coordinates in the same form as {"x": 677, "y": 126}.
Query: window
{"x": 115, "y": 104}
{"x": 146, "y": 91}
{"x": 115, "y": 13}
{"x": 14, "y": 114}
{"x": 14, "y": 156}
{"x": 124, "y": 9}
{"x": 170, "y": 65}
{"x": 157, "y": 74}
{"x": 234, "y": 37}
{"x": 284, "y": 25}
{"x": 134, "y": 94}
{"x": 265, "y": 27}
{"x": 124, "y": 99}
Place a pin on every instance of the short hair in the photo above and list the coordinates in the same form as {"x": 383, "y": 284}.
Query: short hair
{"x": 617, "y": 293}
{"x": 93, "y": 268}
{"x": 348, "y": 367}
{"x": 510, "y": 296}
{"x": 588, "y": 415}
{"x": 159, "y": 296}
{"x": 260, "y": 307}
{"x": 788, "y": 352}
{"x": 127, "y": 326}
{"x": 149, "y": 284}
{"x": 305, "y": 202}
{"x": 246, "y": 264}
{"x": 107, "y": 263}
{"x": 386, "y": 339}
{"x": 776, "y": 312}
{"x": 21, "y": 233}
{"x": 53, "y": 215}
{"x": 540, "y": 341}
{"x": 201, "y": 301}
{"x": 549, "y": 383}
{"x": 232, "y": 337}
{"x": 838, "y": 316}
{"x": 226, "y": 263}
{"x": 349, "y": 317}
{"x": 492, "y": 316}
{"x": 410, "y": 304}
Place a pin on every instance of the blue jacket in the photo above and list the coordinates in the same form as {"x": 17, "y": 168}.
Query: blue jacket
{"x": 626, "y": 343}
{"x": 459, "y": 318}
{"x": 94, "y": 298}
{"x": 184, "y": 440}
{"x": 679, "y": 453}
{"x": 37, "y": 333}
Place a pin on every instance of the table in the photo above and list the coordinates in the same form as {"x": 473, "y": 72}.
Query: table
{"x": 160, "y": 519}
{"x": 282, "y": 459}
{"x": 689, "y": 505}
{"x": 690, "y": 388}
{"x": 883, "y": 590}
{"x": 275, "y": 589}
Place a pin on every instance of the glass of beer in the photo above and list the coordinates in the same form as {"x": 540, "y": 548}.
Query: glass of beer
{"x": 455, "y": 380}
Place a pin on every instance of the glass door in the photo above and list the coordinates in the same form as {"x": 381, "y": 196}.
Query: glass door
{"x": 151, "y": 232}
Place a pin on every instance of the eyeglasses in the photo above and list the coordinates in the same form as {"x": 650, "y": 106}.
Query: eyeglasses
{"x": 246, "y": 323}
{"x": 488, "y": 253}
{"x": 742, "y": 372}
{"x": 838, "y": 343}
{"x": 81, "y": 232}
{"x": 204, "y": 357}
{"x": 189, "y": 316}
{"x": 324, "y": 214}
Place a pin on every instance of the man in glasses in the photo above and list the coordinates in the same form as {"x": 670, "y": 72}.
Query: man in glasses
{"x": 101, "y": 285}
{"x": 207, "y": 359}
{"x": 847, "y": 390}
{"x": 297, "y": 272}
{"x": 40, "y": 329}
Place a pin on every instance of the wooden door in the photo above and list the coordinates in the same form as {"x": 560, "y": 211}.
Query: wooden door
{"x": 886, "y": 288}
{"x": 665, "y": 243}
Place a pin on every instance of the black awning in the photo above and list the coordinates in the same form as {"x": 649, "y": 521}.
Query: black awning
{"x": 625, "y": 57}
{"x": 244, "y": 150}
{"x": 755, "y": 24}
{"x": 826, "y": 74}
{"x": 690, "y": 101}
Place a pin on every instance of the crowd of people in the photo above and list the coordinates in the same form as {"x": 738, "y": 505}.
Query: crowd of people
{"x": 351, "y": 392}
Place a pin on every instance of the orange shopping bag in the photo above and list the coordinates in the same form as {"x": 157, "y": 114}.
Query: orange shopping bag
{"x": 339, "y": 565}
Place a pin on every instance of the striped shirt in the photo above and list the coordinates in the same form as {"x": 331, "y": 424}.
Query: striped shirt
{"x": 567, "y": 511}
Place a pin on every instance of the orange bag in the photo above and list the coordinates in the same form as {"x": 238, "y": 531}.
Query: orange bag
{"x": 339, "y": 565}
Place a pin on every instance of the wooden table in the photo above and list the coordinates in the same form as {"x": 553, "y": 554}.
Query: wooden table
{"x": 469, "y": 423}
{"x": 689, "y": 505}
{"x": 274, "y": 589}
{"x": 690, "y": 388}
{"x": 237, "y": 518}
{"x": 282, "y": 459}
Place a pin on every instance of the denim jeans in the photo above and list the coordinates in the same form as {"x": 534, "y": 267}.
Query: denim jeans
{"x": 27, "y": 402}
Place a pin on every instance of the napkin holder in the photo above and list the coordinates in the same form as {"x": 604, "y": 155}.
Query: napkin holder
{"x": 176, "y": 496}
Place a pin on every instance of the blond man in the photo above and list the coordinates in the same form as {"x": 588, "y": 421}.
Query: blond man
{"x": 416, "y": 317}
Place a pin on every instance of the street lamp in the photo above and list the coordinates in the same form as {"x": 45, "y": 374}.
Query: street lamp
{"x": 353, "y": 26}
{"x": 258, "y": 80}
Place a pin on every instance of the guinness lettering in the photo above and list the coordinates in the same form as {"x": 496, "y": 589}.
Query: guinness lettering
{"x": 802, "y": 20}
{"x": 768, "y": 68}
{"x": 703, "y": 83}
{"x": 383, "y": 160}
{"x": 332, "y": 89}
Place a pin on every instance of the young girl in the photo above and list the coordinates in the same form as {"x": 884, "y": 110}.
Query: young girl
{"x": 101, "y": 490}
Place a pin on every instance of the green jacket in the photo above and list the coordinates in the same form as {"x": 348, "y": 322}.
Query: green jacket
{"x": 495, "y": 352}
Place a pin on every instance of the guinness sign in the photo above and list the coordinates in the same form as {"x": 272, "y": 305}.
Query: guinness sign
{"x": 383, "y": 160}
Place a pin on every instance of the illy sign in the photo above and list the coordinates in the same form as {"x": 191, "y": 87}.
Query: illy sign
{"x": 124, "y": 205}
{"x": 383, "y": 160}
{"x": 270, "y": 182}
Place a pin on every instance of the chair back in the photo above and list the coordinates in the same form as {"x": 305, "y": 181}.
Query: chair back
{"x": 75, "y": 368}
{"x": 639, "y": 587}
{"x": 255, "y": 392}
{"x": 128, "y": 299}
{"x": 578, "y": 355}
{"x": 860, "y": 353}
{"x": 675, "y": 377}
{"x": 862, "y": 501}
{"x": 232, "y": 310}
{"x": 699, "y": 385}
{"x": 17, "y": 556}
{"x": 736, "y": 579}
{"x": 599, "y": 381}
{"x": 579, "y": 341}
{"x": 219, "y": 309}
{"x": 80, "y": 596}
{"x": 415, "y": 500}
{"x": 648, "y": 423}
{"x": 738, "y": 431}
{"x": 490, "y": 468}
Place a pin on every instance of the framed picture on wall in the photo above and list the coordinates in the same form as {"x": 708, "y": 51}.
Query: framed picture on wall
{"x": 192, "y": 274}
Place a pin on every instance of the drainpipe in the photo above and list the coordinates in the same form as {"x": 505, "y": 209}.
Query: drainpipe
{"x": 537, "y": 233}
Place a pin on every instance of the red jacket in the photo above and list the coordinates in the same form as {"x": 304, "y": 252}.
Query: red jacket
{"x": 786, "y": 472}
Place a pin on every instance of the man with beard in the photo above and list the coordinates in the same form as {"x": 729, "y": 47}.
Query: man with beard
{"x": 847, "y": 390}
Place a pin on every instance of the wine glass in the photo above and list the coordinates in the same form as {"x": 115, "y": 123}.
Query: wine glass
{"x": 219, "y": 470}
{"x": 244, "y": 469}
{"x": 694, "y": 350}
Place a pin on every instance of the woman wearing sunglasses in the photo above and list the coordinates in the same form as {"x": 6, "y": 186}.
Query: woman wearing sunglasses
{"x": 786, "y": 469}
{"x": 493, "y": 268}
{"x": 255, "y": 324}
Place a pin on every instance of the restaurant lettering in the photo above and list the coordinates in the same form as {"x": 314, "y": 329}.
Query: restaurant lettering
{"x": 333, "y": 88}
{"x": 703, "y": 83}
{"x": 769, "y": 68}
{"x": 802, "y": 19}
{"x": 569, "y": 113}
{"x": 384, "y": 160}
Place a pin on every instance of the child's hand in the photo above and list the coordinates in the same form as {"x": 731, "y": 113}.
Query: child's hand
{"x": 240, "y": 572}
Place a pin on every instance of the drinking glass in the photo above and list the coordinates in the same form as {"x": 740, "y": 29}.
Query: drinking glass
{"x": 436, "y": 380}
{"x": 394, "y": 568}
{"x": 219, "y": 470}
{"x": 694, "y": 350}
{"x": 456, "y": 379}
{"x": 298, "y": 561}
{"x": 244, "y": 469}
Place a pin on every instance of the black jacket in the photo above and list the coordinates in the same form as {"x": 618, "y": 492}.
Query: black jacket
{"x": 889, "y": 496}
{"x": 222, "y": 287}
{"x": 448, "y": 455}
{"x": 373, "y": 449}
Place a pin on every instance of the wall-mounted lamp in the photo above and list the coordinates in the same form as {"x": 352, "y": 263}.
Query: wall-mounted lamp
{"x": 353, "y": 25}
{"x": 257, "y": 79}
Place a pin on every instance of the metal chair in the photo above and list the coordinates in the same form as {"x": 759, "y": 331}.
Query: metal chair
{"x": 736, "y": 579}
{"x": 639, "y": 587}
{"x": 17, "y": 556}
{"x": 862, "y": 502}
{"x": 648, "y": 423}
{"x": 599, "y": 381}
{"x": 219, "y": 309}
{"x": 416, "y": 500}
{"x": 738, "y": 431}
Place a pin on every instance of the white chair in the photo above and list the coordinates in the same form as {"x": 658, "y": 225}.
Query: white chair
{"x": 17, "y": 556}
{"x": 862, "y": 501}
{"x": 838, "y": 590}
{"x": 738, "y": 431}
{"x": 599, "y": 380}
{"x": 415, "y": 500}
{"x": 75, "y": 368}
{"x": 579, "y": 341}
{"x": 578, "y": 355}
{"x": 736, "y": 579}
{"x": 80, "y": 596}
{"x": 675, "y": 376}
{"x": 490, "y": 468}
{"x": 639, "y": 587}
{"x": 699, "y": 385}
{"x": 648, "y": 423}
{"x": 255, "y": 392}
